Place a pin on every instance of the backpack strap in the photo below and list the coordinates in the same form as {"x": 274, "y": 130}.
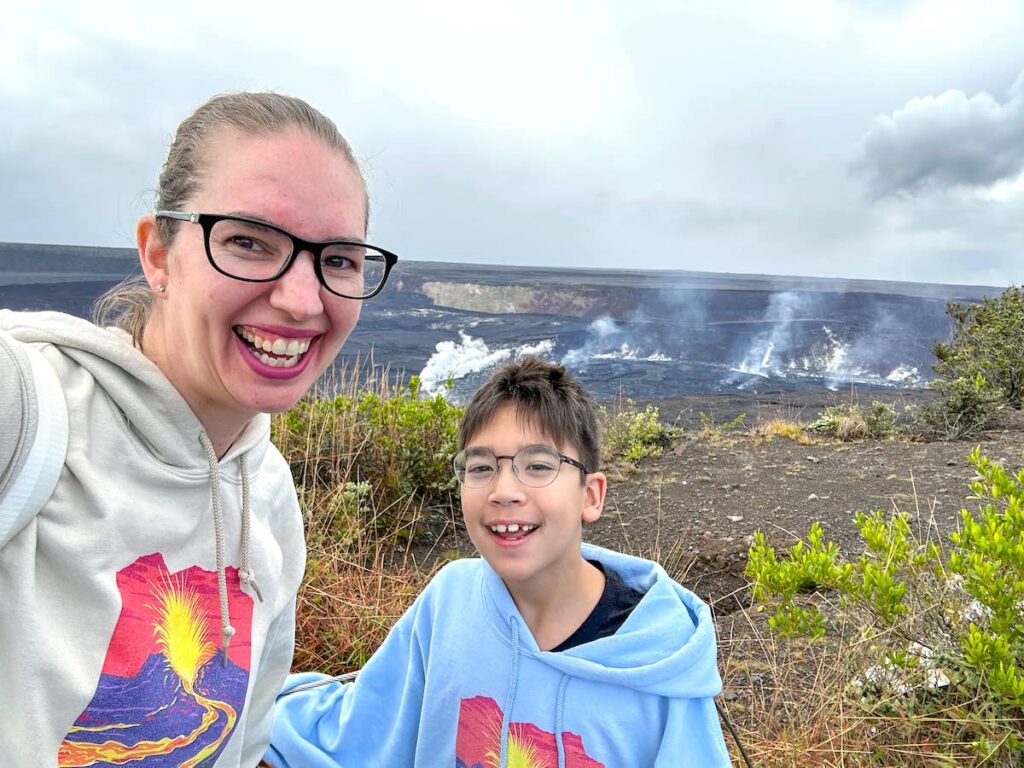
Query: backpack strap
{"x": 31, "y": 488}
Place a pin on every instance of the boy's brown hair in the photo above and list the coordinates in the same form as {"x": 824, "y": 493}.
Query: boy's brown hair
{"x": 547, "y": 397}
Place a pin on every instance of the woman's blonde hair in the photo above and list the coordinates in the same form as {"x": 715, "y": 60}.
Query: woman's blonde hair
{"x": 128, "y": 305}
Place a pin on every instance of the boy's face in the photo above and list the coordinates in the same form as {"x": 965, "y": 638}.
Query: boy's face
{"x": 551, "y": 550}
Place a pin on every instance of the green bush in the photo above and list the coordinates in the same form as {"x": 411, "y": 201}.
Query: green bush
{"x": 409, "y": 442}
{"x": 963, "y": 408}
{"x": 882, "y": 419}
{"x": 945, "y": 632}
{"x": 850, "y": 421}
{"x": 630, "y": 435}
{"x": 384, "y": 442}
{"x": 987, "y": 340}
{"x": 980, "y": 368}
{"x": 989, "y": 558}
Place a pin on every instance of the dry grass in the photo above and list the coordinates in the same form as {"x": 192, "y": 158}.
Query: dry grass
{"x": 792, "y": 703}
{"x": 715, "y": 436}
{"x": 852, "y": 427}
{"x": 766, "y": 431}
{"x": 348, "y": 603}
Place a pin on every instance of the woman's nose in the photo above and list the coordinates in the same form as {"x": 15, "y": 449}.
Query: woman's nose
{"x": 297, "y": 291}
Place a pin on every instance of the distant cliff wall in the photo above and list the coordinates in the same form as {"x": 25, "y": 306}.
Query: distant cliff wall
{"x": 583, "y": 301}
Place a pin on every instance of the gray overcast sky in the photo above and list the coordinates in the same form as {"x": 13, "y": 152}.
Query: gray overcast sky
{"x": 855, "y": 139}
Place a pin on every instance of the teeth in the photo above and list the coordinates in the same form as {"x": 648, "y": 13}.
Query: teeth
{"x": 513, "y": 528}
{"x": 293, "y": 348}
{"x": 278, "y": 362}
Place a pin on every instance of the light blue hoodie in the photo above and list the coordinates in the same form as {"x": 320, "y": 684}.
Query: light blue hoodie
{"x": 460, "y": 682}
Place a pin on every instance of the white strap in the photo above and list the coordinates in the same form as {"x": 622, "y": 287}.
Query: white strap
{"x": 31, "y": 489}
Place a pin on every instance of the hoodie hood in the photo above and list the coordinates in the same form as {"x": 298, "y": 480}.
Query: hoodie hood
{"x": 666, "y": 647}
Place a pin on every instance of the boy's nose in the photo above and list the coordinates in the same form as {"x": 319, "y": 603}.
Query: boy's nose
{"x": 506, "y": 485}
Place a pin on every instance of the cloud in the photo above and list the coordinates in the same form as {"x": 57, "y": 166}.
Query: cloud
{"x": 688, "y": 136}
{"x": 945, "y": 142}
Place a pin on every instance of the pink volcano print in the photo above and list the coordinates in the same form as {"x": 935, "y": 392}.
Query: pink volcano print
{"x": 478, "y": 744}
{"x": 166, "y": 695}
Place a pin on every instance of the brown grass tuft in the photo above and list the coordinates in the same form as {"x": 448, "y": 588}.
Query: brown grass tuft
{"x": 766, "y": 431}
{"x": 852, "y": 427}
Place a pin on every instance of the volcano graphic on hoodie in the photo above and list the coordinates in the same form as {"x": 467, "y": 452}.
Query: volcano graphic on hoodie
{"x": 166, "y": 695}
{"x": 479, "y": 741}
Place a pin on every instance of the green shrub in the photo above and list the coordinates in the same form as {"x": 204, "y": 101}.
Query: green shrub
{"x": 987, "y": 340}
{"x": 980, "y": 368}
{"x": 630, "y": 435}
{"x": 882, "y": 419}
{"x": 944, "y": 634}
{"x": 806, "y": 568}
{"x": 409, "y": 442}
{"x": 963, "y": 408}
{"x": 850, "y": 421}
{"x": 383, "y": 442}
{"x": 989, "y": 558}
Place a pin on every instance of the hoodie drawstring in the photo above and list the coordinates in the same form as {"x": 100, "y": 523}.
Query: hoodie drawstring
{"x": 510, "y": 700}
{"x": 510, "y": 697}
{"x": 228, "y": 631}
{"x": 246, "y": 574}
{"x": 559, "y": 714}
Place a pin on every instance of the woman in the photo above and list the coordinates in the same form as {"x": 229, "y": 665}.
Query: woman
{"x": 149, "y": 567}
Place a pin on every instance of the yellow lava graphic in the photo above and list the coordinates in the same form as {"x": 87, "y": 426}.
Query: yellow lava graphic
{"x": 520, "y": 754}
{"x": 181, "y": 634}
{"x": 181, "y": 630}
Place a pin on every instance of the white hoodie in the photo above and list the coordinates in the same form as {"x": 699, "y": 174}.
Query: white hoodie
{"x": 131, "y": 625}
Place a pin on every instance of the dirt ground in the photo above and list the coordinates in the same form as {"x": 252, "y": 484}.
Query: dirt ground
{"x": 697, "y": 506}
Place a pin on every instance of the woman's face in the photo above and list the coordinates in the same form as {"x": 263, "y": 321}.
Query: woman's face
{"x": 205, "y": 326}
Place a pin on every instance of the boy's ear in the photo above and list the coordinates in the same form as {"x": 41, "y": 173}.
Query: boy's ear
{"x": 593, "y": 496}
{"x": 152, "y": 251}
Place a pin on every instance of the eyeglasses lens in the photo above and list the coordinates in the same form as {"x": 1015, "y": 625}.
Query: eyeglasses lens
{"x": 353, "y": 270}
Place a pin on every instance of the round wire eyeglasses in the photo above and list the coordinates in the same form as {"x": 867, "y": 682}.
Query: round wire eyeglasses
{"x": 535, "y": 466}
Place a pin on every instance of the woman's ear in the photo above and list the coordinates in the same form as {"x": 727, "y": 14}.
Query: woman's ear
{"x": 152, "y": 253}
{"x": 594, "y": 489}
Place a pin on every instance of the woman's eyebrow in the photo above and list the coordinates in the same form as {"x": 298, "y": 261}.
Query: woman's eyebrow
{"x": 269, "y": 223}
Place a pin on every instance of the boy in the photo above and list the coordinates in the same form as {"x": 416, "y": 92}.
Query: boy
{"x": 545, "y": 652}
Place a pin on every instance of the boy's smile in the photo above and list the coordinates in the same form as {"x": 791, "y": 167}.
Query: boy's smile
{"x": 511, "y": 534}
{"x": 530, "y": 536}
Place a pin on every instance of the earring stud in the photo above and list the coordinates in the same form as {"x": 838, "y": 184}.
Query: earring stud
{"x": 161, "y": 288}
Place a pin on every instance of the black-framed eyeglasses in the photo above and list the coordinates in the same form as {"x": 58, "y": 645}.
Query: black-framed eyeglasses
{"x": 535, "y": 466}
{"x": 257, "y": 252}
